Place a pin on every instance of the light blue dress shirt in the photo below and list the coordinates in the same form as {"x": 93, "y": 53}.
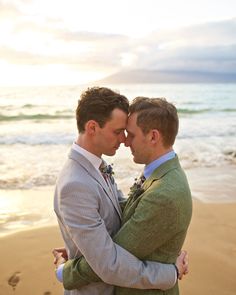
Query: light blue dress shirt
{"x": 156, "y": 163}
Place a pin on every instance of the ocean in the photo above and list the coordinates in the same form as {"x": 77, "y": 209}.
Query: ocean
{"x": 37, "y": 128}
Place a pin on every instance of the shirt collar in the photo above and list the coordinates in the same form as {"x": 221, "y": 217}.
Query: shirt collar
{"x": 95, "y": 161}
{"x": 156, "y": 163}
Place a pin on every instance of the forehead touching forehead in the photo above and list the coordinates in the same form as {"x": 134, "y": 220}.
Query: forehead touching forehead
{"x": 132, "y": 123}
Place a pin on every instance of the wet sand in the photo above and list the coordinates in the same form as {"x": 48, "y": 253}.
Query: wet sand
{"x": 27, "y": 263}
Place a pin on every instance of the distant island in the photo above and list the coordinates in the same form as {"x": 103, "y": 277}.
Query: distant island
{"x": 154, "y": 76}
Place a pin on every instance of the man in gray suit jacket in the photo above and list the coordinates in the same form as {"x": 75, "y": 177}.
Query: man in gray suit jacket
{"x": 87, "y": 202}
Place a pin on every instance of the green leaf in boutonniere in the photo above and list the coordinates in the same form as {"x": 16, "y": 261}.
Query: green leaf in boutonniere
{"x": 136, "y": 189}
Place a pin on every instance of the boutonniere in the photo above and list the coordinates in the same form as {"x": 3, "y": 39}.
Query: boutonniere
{"x": 137, "y": 188}
{"x": 107, "y": 172}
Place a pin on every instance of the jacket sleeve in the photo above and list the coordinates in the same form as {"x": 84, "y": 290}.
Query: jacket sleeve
{"x": 103, "y": 259}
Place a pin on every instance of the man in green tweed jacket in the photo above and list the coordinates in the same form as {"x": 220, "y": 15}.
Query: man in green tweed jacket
{"x": 158, "y": 211}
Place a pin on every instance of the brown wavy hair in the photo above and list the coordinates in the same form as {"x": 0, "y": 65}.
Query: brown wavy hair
{"x": 97, "y": 103}
{"x": 156, "y": 113}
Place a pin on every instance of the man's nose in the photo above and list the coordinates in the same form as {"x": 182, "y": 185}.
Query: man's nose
{"x": 127, "y": 142}
{"x": 122, "y": 137}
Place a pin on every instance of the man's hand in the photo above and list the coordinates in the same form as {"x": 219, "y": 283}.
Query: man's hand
{"x": 60, "y": 256}
{"x": 182, "y": 264}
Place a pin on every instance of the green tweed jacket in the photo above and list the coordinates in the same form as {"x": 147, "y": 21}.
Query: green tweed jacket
{"x": 154, "y": 227}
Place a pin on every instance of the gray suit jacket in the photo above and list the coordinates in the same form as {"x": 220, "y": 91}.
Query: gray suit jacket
{"x": 89, "y": 216}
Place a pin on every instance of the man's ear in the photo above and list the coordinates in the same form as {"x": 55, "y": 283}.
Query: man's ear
{"x": 90, "y": 127}
{"x": 155, "y": 136}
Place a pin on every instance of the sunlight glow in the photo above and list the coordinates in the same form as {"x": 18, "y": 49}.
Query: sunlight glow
{"x": 45, "y": 75}
{"x": 77, "y": 41}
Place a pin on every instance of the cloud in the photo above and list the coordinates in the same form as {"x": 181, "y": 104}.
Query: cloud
{"x": 8, "y": 10}
{"x": 210, "y": 46}
{"x": 89, "y": 36}
{"x": 12, "y": 9}
{"x": 92, "y": 60}
{"x": 47, "y": 42}
{"x": 55, "y": 28}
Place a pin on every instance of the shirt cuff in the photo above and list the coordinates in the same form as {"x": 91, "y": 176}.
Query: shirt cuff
{"x": 59, "y": 273}
{"x": 176, "y": 273}
{"x": 176, "y": 278}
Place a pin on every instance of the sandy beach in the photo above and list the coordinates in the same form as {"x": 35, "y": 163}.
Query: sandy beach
{"x": 211, "y": 244}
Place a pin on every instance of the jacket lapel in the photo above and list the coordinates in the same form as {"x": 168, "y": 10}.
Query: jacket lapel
{"x": 156, "y": 175}
{"x": 161, "y": 171}
{"x": 108, "y": 189}
{"x": 113, "y": 193}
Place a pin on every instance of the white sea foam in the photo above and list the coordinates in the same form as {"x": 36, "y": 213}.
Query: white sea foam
{"x": 37, "y": 128}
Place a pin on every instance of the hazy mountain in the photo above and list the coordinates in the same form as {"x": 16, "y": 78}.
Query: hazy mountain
{"x": 146, "y": 76}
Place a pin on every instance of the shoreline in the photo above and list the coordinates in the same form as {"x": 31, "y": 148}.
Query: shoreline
{"x": 213, "y": 185}
{"x": 23, "y": 209}
{"x": 211, "y": 244}
{"x": 26, "y": 209}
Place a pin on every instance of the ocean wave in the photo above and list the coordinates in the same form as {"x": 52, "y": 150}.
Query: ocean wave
{"x": 193, "y": 111}
{"x": 38, "y": 139}
{"x": 32, "y": 106}
{"x": 39, "y": 113}
{"x": 54, "y": 137}
{"x": 29, "y": 106}
{"x": 229, "y": 110}
{"x": 28, "y": 183}
{"x": 37, "y": 117}
{"x": 230, "y": 154}
{"x": 208, "y": 110}
{"x": 201, "y": 135}
{"x": 124, "y": 167}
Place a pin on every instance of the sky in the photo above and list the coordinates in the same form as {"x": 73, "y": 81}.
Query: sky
{"x": 61, "y": 42}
